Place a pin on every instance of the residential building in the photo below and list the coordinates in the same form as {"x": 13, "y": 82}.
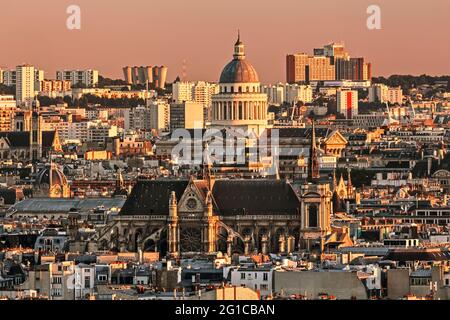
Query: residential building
{"x": 382, "y": 93}
{"x": 187, "y": 115}
{"x": 347, "y": 103}
{"x": 25, "y": 89}
{"x": 156, "y": 76}
{"x": 258, "y": 279}
{"x": 87, "y": 78}
{"x": 7, "y": 111}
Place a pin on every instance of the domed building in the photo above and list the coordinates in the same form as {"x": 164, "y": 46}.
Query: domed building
{"x": 51, "y": 182}
{"x": 240, "y": 102}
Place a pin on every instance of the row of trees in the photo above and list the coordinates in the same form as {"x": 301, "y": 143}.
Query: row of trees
{"x": 409, "y": 81}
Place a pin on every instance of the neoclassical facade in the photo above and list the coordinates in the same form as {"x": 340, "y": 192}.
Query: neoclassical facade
{"x": 240, "y": 102}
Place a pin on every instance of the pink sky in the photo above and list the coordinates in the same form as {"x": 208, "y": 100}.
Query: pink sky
{"x": 414, "y": 38}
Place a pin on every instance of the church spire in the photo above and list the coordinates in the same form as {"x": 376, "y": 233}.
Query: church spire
{"x": 334, "y": 180}
{"x": 313, "y": 164}
{"x": 349, "y": 183}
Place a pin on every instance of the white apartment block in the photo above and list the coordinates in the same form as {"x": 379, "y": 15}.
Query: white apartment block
{"x": 289, "y": 93}
{"x": 9, "y": 77}
{"x": 25, "y": 91}
{"x": 200, "y": 92}
{"x": 98, "y": 132}
{"x": 84, "y": 281}
{"x": 73, "y": 130}
{"x": 382, "y": 93}
{"x": 256, "y": 279}
{"x": 137, "y": 118}
{"x": 159, "y": 115}
{"x": 203, "y": 92}
{"x": 88, "y": 78}
{"x": 182, "y": 91}
{"x": 90, "y": 131}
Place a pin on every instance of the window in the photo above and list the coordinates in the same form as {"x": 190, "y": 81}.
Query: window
{"x": 56, "y": 292}
{"x": 265, "y": 276}
{"x": 87, "y": 282}
{"x": 57, "y": 280}
{"x": 264, "y": 287}
{"x": 312, "y": 216}
{"x": 102, "y": 277}
{"x": 242, "y": 276}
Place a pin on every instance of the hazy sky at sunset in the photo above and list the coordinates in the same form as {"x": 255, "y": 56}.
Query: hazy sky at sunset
{"x": 414, "y": 39}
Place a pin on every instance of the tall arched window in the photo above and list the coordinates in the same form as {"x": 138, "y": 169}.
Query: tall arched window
{"x": 313, "y": 219}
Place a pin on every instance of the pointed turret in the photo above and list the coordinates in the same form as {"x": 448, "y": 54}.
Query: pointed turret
{"x": 313, "y": 165}
{"x": 334, "y": 181}
{"x": 349, "y": 184}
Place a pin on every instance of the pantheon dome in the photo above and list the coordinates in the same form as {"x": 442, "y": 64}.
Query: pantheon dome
{"x": 239, "y": 70}
{"x": 240, "y": 102}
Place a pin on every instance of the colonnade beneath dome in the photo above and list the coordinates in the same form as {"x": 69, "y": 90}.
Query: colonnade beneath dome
{"x": 239, "y": 110}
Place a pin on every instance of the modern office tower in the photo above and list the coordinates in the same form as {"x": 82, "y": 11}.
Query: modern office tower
{"x": 301, "y": 68}
{"x": 25, "y": 80}
{"x": 159, "y": 114}
{"x": 88, "y": 78}
{"x": 336, "y": 50}
{"x": 347, "y": 102}
{"x": 332, "y": 62}
{"x": 382, "y": 93}
{"x": 182, "y": 91}
{"x": 349, "y": 69}
{"x": 320, "y": 69}
{"x": 7, "y": 110}
{"x": 146, "y": 74}
{"x": 367, "y": 71}
{"x": 187, "y": 115}
{"x": 296, "y": 67}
